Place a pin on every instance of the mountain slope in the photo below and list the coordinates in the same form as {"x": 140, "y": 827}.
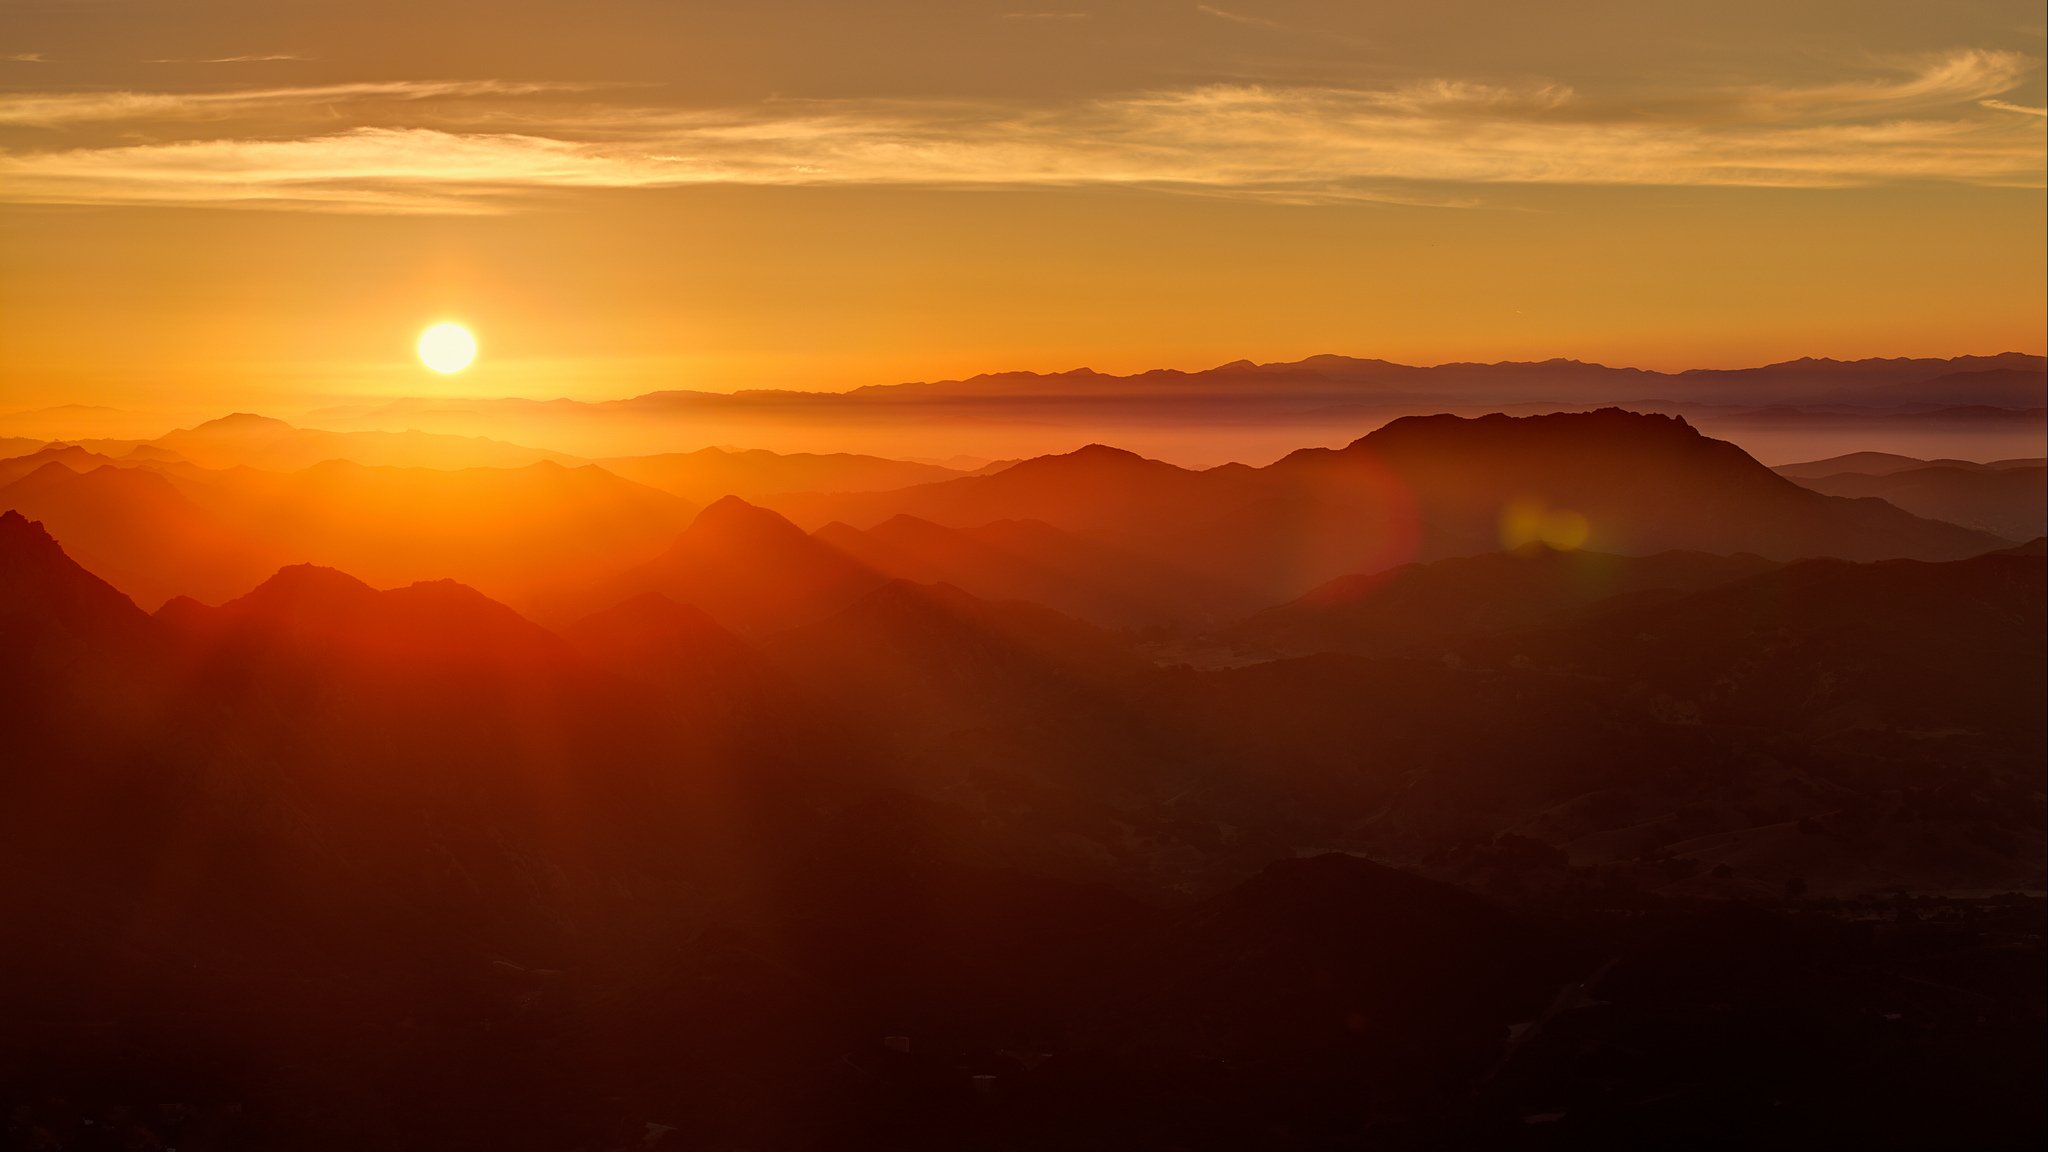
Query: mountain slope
{"x": 1427, "y": 609}
{"x": 1082, "y": 576}
{"x": 138, "y": 531}
{"x": 1424, "y": 488}
{"x": 2010, "y": 501}
{"x": 745, "y": 567}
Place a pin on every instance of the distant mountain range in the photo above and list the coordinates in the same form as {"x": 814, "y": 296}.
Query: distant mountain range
{"x": 1976, "y": 406}
{"x": 1248, "y": 411}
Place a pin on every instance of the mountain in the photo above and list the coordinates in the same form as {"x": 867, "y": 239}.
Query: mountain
{"x": 1082, "y": 576}
{"x": 417, "y": 628}
{"x": 341, "y": 867}
{"x": 39, "y": 583}
{"x": 1865, "y": 464}
{"x": 251, "y": 441}
{"x": 138, "y": 531}
{"x": 1095, "y": 487}
{"x": 1425, "y": 488}
{"x": 1792, "y": 649}
{"x": 706, "y": 475}
{"x": 1227, "y": 412}
{"x": 748, "y": 568}
{"x": 2007, "y": 387}
{"x": 2008, "y": 498}
{"x": 70, "y": 456}
{"x": 952, "y": 655}
{"x": 929, "y": 676}
{"x": 653, "y": 640}
{"x": 1428, "y": 609}
{"x": 1642, "y": 484}
{"x": 517, "y": 533}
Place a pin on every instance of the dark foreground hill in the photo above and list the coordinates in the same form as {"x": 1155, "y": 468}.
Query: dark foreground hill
{"x": 337, "y": 867}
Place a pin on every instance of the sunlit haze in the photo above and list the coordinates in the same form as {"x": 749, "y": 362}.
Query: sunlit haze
{"x": 1023, "y": 575}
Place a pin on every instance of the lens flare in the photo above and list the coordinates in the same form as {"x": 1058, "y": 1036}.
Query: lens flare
{"x": 1529, "y": 521}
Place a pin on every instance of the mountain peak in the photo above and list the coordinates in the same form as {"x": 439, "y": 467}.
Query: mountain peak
{"x": 301, "y": 587}
{"x": 40, "y": 580}
{"x": 242, "y": 422}
{"x": 730, "y": 516}
{"x": 21, "y": 536}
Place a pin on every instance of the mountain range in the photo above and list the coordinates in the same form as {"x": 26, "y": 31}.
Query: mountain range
{"x": 1101, "y": 533}
{"x": 778, "y": 825}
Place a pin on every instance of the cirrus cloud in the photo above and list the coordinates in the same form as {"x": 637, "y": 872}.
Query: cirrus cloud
{"x": 1295, "y": 144}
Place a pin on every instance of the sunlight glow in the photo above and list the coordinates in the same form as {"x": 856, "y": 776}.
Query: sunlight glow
{"x": 447, "y": 347}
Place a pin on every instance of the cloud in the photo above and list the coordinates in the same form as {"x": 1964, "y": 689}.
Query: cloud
{"x": 258, "y": 59}
{"x": 1961, "y": 77}
{"x": 1047, "y": 16}
{"x": 2022, "y": 109}
{"x": 25, "y": 58}
{"x": 1436, "y": 141}
{"x": 1236, "y": 17}
{"x": 54, "y": 109}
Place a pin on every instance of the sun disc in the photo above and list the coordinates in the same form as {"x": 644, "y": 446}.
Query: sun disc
{"x": 447, "y": 347}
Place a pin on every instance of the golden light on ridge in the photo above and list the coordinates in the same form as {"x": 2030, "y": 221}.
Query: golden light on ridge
{"x": 447, "y": 347}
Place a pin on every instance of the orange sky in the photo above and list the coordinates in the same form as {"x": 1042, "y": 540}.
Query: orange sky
{"x": 258, "y": 205}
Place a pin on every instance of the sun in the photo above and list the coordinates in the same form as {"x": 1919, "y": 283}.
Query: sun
{"x": 447, "y": 347}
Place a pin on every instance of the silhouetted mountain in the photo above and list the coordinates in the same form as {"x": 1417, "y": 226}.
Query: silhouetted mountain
{"x": 747, "y": 568}
{"x": 1426, "y": 488}
{"x": 706, "y": 475}
{"x": 1642, "y": 483}
{"x": 40, "y": 586}
{"x": 340, "y": 867}
{"x": 69, "y": 455}
{"x": 654, "y": 640}
{"x": 1229, "y": 412}
{"x": 416, "y": 628}
{"x": 2010, "y": 500}
{"x": 135, "y": 529}
{"x": 1031, "y": 560}
{"x": 1096, "y": 487}
{"x": 1954, "y": 655}
{"x": 1863, "y": 463}
{"x": 74, "y": 652}
{"x": 1428, "y": 609}
{"x": 247, "y": 440}
{"x": 934, "y": 655}
{"x": 517, "y": 533}
{"x": 2013, "y": 387}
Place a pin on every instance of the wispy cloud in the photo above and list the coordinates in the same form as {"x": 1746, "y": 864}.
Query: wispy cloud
{"x": 256, "y": 59}
{"x": 1952, "y": 78}
{"x": 1236, "y": 17}
{"x": 53, "y": 109}
{"x": 1046, "y": 16}
{"x": 25, "y": 58}
{"x": 2022, "y": 109}
{"x": 1403, "y": 143}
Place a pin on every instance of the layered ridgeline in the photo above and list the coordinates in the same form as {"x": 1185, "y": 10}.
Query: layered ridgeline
{"x": 1423, "y": 488}
{"x": 415, "y": 847}
{"x": 1593, "y": 673}
{"x": 1241, "y": 407}
{"x": 1977, "y": 406}
{"x": 2004, "y": 497}
{"x": 1100, "y": 533}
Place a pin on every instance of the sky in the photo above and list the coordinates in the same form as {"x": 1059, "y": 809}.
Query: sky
{"x": 221, "y": 204}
